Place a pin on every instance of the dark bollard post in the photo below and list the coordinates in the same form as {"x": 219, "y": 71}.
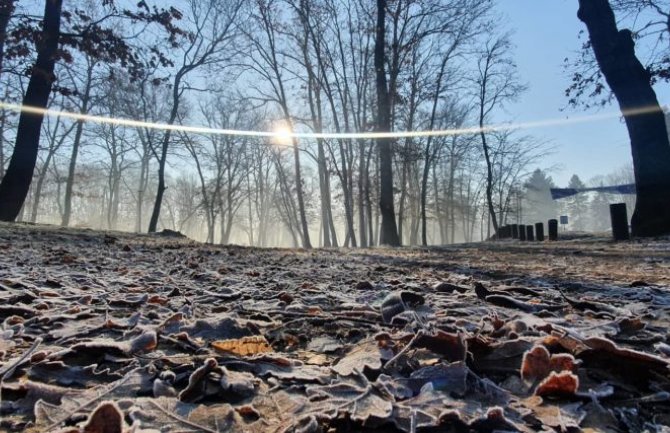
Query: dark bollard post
{"x": 529, "y": 233}
{"x": 522, "y": 232}
{"x": 539, "y": 231}
{"x": 515, "y": 231}
{"x": 553, "y": 230}
{"x": 501, "y": 232}
{"x": 619, "y": 218}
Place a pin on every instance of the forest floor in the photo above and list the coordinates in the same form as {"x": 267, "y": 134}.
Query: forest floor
{"x": 108, "y": 331}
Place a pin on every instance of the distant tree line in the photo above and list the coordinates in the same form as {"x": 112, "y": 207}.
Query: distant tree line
{"x": 293, "y": 65}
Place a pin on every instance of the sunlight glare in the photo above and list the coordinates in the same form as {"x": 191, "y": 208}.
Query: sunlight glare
{"x": 282, "y": 137}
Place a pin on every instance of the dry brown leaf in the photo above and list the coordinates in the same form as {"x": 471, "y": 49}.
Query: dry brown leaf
{"x": 106, "y": 418}
{"x": 558, "y": 385}
{"x": 244, "y": 346}
{"x": 537, "y": 363}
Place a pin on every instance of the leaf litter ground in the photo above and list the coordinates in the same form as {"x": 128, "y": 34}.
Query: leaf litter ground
{"x": 113, "y": 332}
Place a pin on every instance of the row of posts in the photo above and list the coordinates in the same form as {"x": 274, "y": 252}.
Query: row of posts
{"x": 529, "y": 232}
{"x": 618, "y": 217}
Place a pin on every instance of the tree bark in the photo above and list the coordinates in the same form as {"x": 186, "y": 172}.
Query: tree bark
{"x": 16, "y": 182}
{"x": 630, "y": 82}
{"x": 389, "y": 230}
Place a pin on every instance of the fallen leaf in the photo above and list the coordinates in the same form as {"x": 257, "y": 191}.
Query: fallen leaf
{"x": 244, "y": 346}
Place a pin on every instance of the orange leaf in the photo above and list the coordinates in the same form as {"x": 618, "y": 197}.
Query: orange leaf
{"x": 244, "y": 346}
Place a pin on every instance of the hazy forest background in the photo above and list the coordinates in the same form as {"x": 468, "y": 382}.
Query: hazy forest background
{"x": 291, "y": 65}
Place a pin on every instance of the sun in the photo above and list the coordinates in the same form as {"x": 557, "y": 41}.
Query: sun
{"x": 282, "y": 136}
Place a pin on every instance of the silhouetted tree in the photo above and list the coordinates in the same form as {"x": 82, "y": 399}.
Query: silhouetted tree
{"x": 389, "y": 230}
{"x": 630, "y": 82}
{"x": 210, "y": 43}
{"x": 19, "y": 174}
{"x": 84, "y": 35}
{"x": 496, "y": 83}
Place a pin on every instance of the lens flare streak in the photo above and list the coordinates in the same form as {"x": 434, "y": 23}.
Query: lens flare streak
{"x": 283, "y": 135}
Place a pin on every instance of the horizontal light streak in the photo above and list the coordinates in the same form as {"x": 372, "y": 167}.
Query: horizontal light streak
{"x": 322, "y": 135}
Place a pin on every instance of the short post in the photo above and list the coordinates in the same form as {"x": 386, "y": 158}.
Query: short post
{"x": 529, "y": 233}
{"x": 619, "y": 218}
{"x": 515, "y": 231}
{"x": 501, "y": 232}
{"x": 522, "y": 232}
{"x": 553, "y": 230}
{"x": 539, "y": 231}
{"x": 507, "y": 231}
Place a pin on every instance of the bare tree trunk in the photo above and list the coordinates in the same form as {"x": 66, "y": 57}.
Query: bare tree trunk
{"x": 373, "y": 217}
{"x": 389, "y": 230}
{"x": 439, "y": 216}
{"x": 162, "y": 158}
{"x": 362, "y": 180}
{"x": 16, "y": 181}
{"x": 489, "y": 179}
{"x": 630, "y": 82}
{"x": 3, "y": 120}
{"x": 450, "y": 199}
{"x": 142, "y": 185}
{"x": 329, "y": 220}
{"x": 403, "y": 197}
{"x": 301, "y": 198}
{"x": 69, "y": 185}
{"x": 53, "y": 148}
{"x": 325, "y": 203}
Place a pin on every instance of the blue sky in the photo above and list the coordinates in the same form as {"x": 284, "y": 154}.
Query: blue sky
{"x": 545, "y": 33}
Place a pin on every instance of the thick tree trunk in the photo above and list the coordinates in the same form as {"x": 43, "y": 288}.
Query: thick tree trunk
{"x": 16, "y": 182}
{"x": 630, "y": 82}
{"x": 389, "y": 230}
